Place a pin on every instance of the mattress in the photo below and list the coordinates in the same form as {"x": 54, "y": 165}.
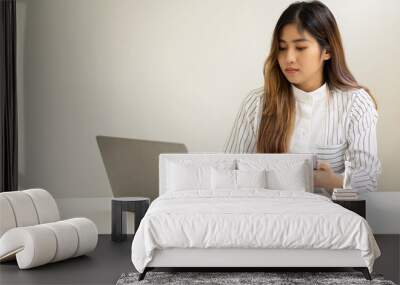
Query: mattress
{"x": 254, "y": 218}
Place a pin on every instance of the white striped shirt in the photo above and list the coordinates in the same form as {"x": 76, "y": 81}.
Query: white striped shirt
{"x": 348, "y": 132}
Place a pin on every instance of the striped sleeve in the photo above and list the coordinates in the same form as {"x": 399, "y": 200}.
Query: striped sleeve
{"x": 242, "y": 138}
{"x": 362, "y": 149}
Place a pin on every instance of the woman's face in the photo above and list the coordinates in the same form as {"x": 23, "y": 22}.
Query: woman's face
{"x": 300, "y": 58}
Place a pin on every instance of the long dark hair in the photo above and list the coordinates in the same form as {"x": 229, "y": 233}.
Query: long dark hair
{"x": 277, "y": 121}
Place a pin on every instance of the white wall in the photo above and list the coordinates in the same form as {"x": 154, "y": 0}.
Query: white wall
{"x": 169, "y": 71}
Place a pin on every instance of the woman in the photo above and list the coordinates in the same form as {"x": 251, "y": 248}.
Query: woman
{"x": 310, "y": 102}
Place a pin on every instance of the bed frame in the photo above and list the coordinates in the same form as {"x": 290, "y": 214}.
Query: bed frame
{"x": 248, "y": 259}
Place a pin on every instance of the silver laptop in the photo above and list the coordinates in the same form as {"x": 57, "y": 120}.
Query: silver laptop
{"x": 132, "y": 164}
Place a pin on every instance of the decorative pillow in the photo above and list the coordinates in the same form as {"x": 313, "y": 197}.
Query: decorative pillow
{"x": 237, "y": 179}
{"x": 251, "y": 178}
{"x": 223, "y": 179}
{"x": 293, "y": 180}
{"x": 186, "y": 174}
{"x": 281, "y": 174}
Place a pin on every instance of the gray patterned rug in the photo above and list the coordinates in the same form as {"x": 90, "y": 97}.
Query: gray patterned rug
{"x": 229, "y": 278}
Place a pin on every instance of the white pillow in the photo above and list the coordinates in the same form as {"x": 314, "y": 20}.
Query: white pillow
{"x": 293, "y": 180}
{"x": 251, "y": 178}
{"x": 237, "y": 179}
{"x": 186, "y": 174}
{"x": 223, "y": 179}
{"x": 281, "y": 174}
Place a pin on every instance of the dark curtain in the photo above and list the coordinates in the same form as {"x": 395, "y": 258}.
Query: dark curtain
{"x": 8, "y": 100}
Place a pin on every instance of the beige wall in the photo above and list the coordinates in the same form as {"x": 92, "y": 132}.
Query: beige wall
{"x": 169, "y": 71}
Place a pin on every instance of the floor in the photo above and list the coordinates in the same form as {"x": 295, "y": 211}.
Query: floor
{"x": 111, "y": 259}
{"x": 103, "y": 266}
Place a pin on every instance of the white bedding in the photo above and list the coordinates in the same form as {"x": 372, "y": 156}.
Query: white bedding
{"x": 250, "y": 218}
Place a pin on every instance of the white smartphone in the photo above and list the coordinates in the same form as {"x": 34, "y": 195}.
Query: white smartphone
{"x": 315, "y": 161}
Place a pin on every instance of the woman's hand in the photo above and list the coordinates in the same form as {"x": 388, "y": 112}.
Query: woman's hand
{"x": 325, "y": 177}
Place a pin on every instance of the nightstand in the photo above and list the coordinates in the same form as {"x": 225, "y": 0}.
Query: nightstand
{"x": 357, "y": 206}
{"x": 138, "y": 205}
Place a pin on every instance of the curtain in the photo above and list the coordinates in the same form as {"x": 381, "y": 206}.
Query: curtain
{"x": 8, "y": 99}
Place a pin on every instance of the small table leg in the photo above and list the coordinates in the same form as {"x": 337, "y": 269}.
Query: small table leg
{"x": 118, "y": 228}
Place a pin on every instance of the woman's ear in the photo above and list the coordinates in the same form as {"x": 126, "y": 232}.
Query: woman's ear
{"x": 326, "y": 55}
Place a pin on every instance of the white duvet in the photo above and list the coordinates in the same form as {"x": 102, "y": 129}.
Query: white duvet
{"x": 250, "y": 218}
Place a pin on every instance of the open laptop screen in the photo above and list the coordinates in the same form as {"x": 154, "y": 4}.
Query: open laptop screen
{"x": 132, "y": 164}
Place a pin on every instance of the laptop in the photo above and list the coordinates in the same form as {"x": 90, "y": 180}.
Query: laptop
{"x": 132, "y": 164}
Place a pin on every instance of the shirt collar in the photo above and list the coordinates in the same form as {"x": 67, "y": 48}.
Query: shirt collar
{"x": 310, "y": 97}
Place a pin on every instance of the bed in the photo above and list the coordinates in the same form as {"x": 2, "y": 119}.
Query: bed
{"x": 245, "y": 211}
